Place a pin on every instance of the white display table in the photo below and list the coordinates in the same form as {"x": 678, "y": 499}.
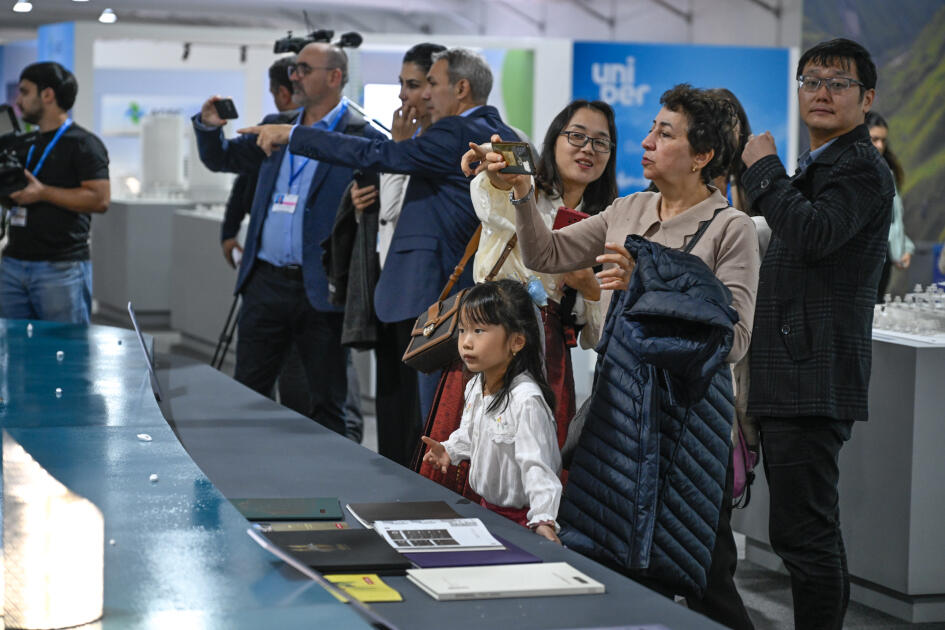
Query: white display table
{"x": 202, "y": 280}
{"x": 131, "y": 259}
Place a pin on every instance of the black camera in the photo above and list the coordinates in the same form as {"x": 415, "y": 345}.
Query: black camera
{"x": 290, "y": 44}
{"x": 11, "y": 168}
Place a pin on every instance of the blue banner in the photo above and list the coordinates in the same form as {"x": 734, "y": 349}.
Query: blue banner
{"x": 631, "y": 78}
{"x": 56, "y": 42}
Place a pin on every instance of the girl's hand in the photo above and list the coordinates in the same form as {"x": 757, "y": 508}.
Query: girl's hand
{"x": 405, "y": 124}
{"x": 436, "y": 455}
{"x": 585, "y": 282}
{"x": 492, "y": 162}
{"x": 616, "y": 278}
{"x": 362, "y": 198}
{"x": 548, "y": 532}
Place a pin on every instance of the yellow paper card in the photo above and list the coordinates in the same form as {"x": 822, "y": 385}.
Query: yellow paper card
{"x": 365, "y": 587}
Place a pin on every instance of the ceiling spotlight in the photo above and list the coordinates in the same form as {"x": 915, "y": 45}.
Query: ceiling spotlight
{"x": 23, "y": 6}
{"x": 107, "y": 17}
{"x": 186, "y": 53}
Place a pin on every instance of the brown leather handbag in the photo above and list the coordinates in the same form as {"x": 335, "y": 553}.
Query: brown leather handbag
{"x": 433, "y": 340}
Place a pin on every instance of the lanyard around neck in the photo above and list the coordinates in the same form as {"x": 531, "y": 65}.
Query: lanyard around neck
{"x": 295, "y": 174}
{"x": 49, "y": 147}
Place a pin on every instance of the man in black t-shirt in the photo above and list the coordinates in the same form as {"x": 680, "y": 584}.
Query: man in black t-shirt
{"x": 45, "y": 272}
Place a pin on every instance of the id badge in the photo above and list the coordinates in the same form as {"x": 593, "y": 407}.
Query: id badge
{"x": 18, "y": 216}
{"x": 285, "y": 203}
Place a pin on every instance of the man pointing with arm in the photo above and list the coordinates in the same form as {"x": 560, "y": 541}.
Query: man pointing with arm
{"x": 437, "y": 219}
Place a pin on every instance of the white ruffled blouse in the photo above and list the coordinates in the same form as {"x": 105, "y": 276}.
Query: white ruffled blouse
{"x": 514, "y": 456}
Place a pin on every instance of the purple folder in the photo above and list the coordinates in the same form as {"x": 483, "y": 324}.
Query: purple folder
{"x": 510, "y": 555}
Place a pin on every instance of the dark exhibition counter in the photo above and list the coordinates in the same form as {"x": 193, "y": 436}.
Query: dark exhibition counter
{"x": 181, "y": 556}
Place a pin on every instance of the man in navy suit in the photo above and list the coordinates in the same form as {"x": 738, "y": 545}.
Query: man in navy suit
{"x": 437, "y": 219}
{"x": 281, "y": 278}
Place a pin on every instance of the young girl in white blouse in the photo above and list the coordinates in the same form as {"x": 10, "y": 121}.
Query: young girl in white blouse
{"x": 507, "y": 430}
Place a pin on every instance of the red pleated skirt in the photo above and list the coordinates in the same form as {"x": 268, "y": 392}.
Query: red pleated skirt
{"x": 519, "y": 515}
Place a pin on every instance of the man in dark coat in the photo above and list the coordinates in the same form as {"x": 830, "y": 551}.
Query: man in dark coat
{"x": 810, "y": 351}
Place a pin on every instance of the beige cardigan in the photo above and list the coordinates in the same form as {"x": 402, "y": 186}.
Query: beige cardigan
{"x": 729, "y": 246}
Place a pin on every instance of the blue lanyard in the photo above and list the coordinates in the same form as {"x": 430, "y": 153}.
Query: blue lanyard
{"x": 52, "y": 143}
{"x": 295, "y": 174}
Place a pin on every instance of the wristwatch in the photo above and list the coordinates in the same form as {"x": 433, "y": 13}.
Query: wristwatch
{"x": 518, "y": 202}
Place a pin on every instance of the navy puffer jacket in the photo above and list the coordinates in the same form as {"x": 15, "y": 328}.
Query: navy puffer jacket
{"x": 646, "y": 482}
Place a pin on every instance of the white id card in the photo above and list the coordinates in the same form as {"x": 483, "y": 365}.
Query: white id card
{"x": 285, "y": 203}
{"x": 18, "y": 216}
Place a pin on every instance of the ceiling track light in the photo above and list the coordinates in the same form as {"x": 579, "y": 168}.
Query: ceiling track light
{"x": 23, "y": 6}
{"x": 107, "y": 17}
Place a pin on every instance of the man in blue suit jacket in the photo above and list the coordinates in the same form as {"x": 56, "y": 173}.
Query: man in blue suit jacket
{"x": 437, "y": 219}
{"x": 281, "y": 278}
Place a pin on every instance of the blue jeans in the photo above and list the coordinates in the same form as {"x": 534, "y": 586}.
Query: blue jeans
{"x": 51, "y": 291}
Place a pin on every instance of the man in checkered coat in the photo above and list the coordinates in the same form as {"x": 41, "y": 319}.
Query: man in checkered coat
{"x": 811, "y": 344}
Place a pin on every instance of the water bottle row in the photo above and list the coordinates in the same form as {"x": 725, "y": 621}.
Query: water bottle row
{"x": 921, "y": 312}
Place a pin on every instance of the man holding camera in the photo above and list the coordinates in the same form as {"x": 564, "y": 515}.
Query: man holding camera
{"x": 281, "y": 278}
{"x": 46, "y": 272}
{"x": 437, "y": 218}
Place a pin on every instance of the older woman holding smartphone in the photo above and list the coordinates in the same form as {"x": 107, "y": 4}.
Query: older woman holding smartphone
{"x": 689, "y": 144}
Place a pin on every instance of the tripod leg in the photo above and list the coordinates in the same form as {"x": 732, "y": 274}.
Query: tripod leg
{"x": 226, "y": 335}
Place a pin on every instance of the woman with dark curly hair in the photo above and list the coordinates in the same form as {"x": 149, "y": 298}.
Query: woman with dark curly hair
{"x": 690, "y": 144}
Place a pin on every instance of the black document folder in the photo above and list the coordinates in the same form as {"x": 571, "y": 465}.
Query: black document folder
{"x": 342, "y": 551}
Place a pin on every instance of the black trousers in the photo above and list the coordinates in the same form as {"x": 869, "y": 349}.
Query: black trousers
{"x": 720, "y": 601}
{"x": 293, "y": 393}
{"x": 397, "y": 398}
{"x": 801, "y": 465}
{"x": 275, "y": 315}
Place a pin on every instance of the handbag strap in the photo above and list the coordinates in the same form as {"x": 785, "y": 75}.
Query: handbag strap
{"x": 505, "y": 254}
{"x": 471, "y": 248}
{"x": 703, "y": 226}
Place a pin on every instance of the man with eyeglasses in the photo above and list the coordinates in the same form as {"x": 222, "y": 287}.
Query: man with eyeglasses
{"x": 437, "y": 218}
{"x": 810, "y": 349}
{"x": 281, "y": 278}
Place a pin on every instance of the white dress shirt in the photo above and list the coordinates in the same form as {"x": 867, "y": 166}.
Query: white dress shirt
{"x": 392, "y": 189}
{"x": 513, "y": 453}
